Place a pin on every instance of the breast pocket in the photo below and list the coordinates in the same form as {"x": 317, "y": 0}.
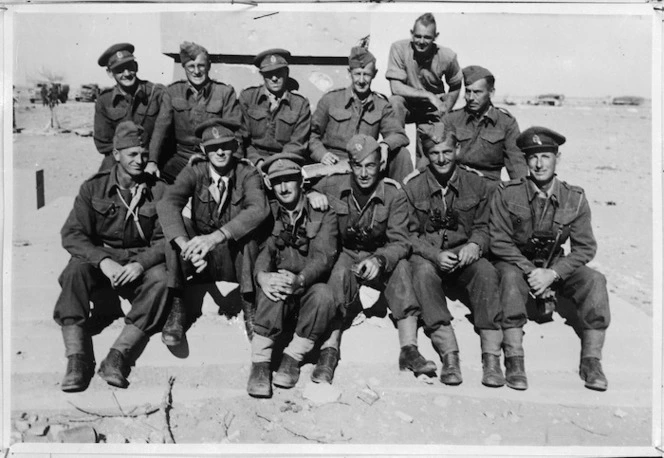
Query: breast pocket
{"x": 338, "y": 127}
{"x": 149, "y": 111}
{"x": 371, "y": 122}
{"x": 521, "y": 221}
{"x": 117, "y": 113}
{"x": 463, "y": 134}
{"x": 106, "y": 214}
{"x": 257, "y": 122}
{"x": 285, "y": 124}
{"x": 379, "y": 227}
{"x": 179, "y": 104}
{"x": 147, "y": 215}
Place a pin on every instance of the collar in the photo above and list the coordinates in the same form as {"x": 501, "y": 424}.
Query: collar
{"x": 301, "y": 210}
{"x": 264, "y": 93}
{"x": 553, "y": 193}
{"x": 205, "y": 90}
{"x": 435, "y": 186}
{"x": 113, "y": 185}
{"x": 216, "y": 176}
{"x": 423, "y": 58}
{"x": 119, "y": 93}
{"x": 350, "y": 98}
{"x": 491, "y": 115}
{"x": 378, "y": 194}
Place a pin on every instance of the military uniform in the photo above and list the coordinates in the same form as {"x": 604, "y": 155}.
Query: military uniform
{"x": 266, "y": 131}
{"x": 340, "y": 114}
{"x": 528, "y": 227}
{"x": 464, "y": 204}
{"x": 488, "y": 142}
{"x": 517, "y": 212}
{"x": 244, "y": 208}
{"x": 114, "y": 105}
{"x": 182, "y": 109}
{"x": 108, "y": 222}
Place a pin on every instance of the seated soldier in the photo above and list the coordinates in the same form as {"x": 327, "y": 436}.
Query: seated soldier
{"x": 290, "y": 271}
{"x": 227, "y": 206}
{"x": 274, "y": 118}
{"x": 530, "y": 220}
{"x": 373, "y": 224}
{"x": 357, "y": 109}
{"x": 449, "y": 226}
{"x": 117, "y": 249}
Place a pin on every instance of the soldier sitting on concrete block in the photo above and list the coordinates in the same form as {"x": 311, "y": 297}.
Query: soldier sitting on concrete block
{"x": 449, "y": 227}
{"x": 117, "y": 249}
{"x": 291, "y": 271}
{"x": 373, "y": 228}
{"x": 357, "y": 109}
{"x": 531, "y": 218}
{"x": 274, "y": 118}
{"x": 218, "y": 243}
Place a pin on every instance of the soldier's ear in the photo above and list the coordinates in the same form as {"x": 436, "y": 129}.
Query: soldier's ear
{"x": 116, "y": 155}
{"x": 109, "y": 73}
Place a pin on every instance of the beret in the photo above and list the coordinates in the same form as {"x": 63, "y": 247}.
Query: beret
{"x": 282, "y": 164}
{"x": 538, "y": 139}
{"x": 189, "y": 51}
{"x": 361, "y": 146}
{"x": 116, "y": 55}
{"x": 474, "y": 73}
{"x": 272, "y": 59}
{"x": 216, "y": 131}
{"x": 360, "y": 57}
{"x": 128, "y": 135}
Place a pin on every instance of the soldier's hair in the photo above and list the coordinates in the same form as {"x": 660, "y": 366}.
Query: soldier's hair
{"x": 426, "y": 20}
{"x": 450, "y": 136}
{"x": 490, "y": 81}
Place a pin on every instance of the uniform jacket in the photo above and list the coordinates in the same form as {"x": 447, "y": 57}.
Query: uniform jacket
{"x": 489, "y": 143}
{"x": 339, "y": 115}
{"x": 113, "y": 106}
{"x": 467, "y": 196}
{"x": 284, "y": 130}
{"x": 182, "y": 110}
{"x": 385, "y": 216}
{"x": 244, "y": 209}
{"x": 511, "y": 225}
{"x": 97, "y": 227}
{"x": 320, "y": 229}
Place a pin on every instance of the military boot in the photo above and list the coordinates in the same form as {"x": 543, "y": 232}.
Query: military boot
{"x": 410, "y": 358}
{"x": 492, "y": 374}
{"x": 288, "y": 373}
{"x": 326, "y": 365}
{"x": 515, "y": 370}
{"x": 590, "y": 368}
{"x": 444, "y": 342}
{"x": 117, "y": 365}
{"x": 80, "y": 359}
{"x": 260, "y": 383}
{"x": 174, "y": 329}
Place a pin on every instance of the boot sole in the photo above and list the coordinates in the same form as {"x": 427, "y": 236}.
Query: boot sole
{"x": 517, "y": 386}
{"x": 75, "y": 388}
{"x": 596, "y": 387}
{"x": 171, "y": 342}
{"x": 113, "y": 381}
{"x": 321, "y": 379}
{"x": 282, "y": 384}
{"x": 493, "y": 385}
{"x": 260, "y": 393}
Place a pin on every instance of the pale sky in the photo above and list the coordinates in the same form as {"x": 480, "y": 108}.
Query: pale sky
{"x": 578, "y": 55}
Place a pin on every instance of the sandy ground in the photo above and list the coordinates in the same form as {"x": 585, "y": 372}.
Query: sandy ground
{"x": 608, "y": 153}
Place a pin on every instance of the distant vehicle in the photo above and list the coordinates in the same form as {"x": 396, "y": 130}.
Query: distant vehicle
{"x": 40, "y": 90}
{"x": 87, "y": 93}
{"x": 627, "y": 100}
{"x": 553, "y": 100}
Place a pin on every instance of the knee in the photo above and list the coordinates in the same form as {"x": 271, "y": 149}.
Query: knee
{"x": 76, "y": 268}
{"x": 324, "y": 297}
{"x": 511, "y": 276}
{"x": 156, "y": 274}
{"x": 422, "y": 270}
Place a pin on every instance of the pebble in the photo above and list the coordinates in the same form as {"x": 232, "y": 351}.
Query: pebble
{"x": 368, "y": 396}
{"x": 489, "y": 415}
{"x": 620, "y": 413}
{"x": 441, "y": 401}
{"x": 403, "y": 416}
{"x": 425, "y": 379}
{"x": 321, "y": 393}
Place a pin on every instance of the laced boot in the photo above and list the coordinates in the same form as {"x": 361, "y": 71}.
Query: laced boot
{"x": 327, "y": 363}
{"x": 444, "y": 342}
{"x": 590, "y": 368}
{"x": 288, "y": 373}
{"x": 411, "y": 359}
{"x": 174, "y": 329}
{"x": 515, "y": 369}
{"x": 492, "y": 374}
{"x": 260, "y": 384}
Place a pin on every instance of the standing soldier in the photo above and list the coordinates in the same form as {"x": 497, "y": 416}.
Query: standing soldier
{"x": 130, "y": 99}
{"x": 274, "y": 119}
{"x": 449, "y": 226}
{"x": 373, "y": 224}
{"x": 416, "y": 69}
{"x": 486, "y": 134}
{"x": 530, "y": 220}
{"x": 117, "y": 249}
{"x": 186, "y": 104}
{"x": 291, "y": 271}
{"x": 357, "y": 109}
{"x": 217, "y": 243}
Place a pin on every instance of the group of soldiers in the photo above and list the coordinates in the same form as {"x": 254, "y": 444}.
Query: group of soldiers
{"x": 198, "y": 185}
